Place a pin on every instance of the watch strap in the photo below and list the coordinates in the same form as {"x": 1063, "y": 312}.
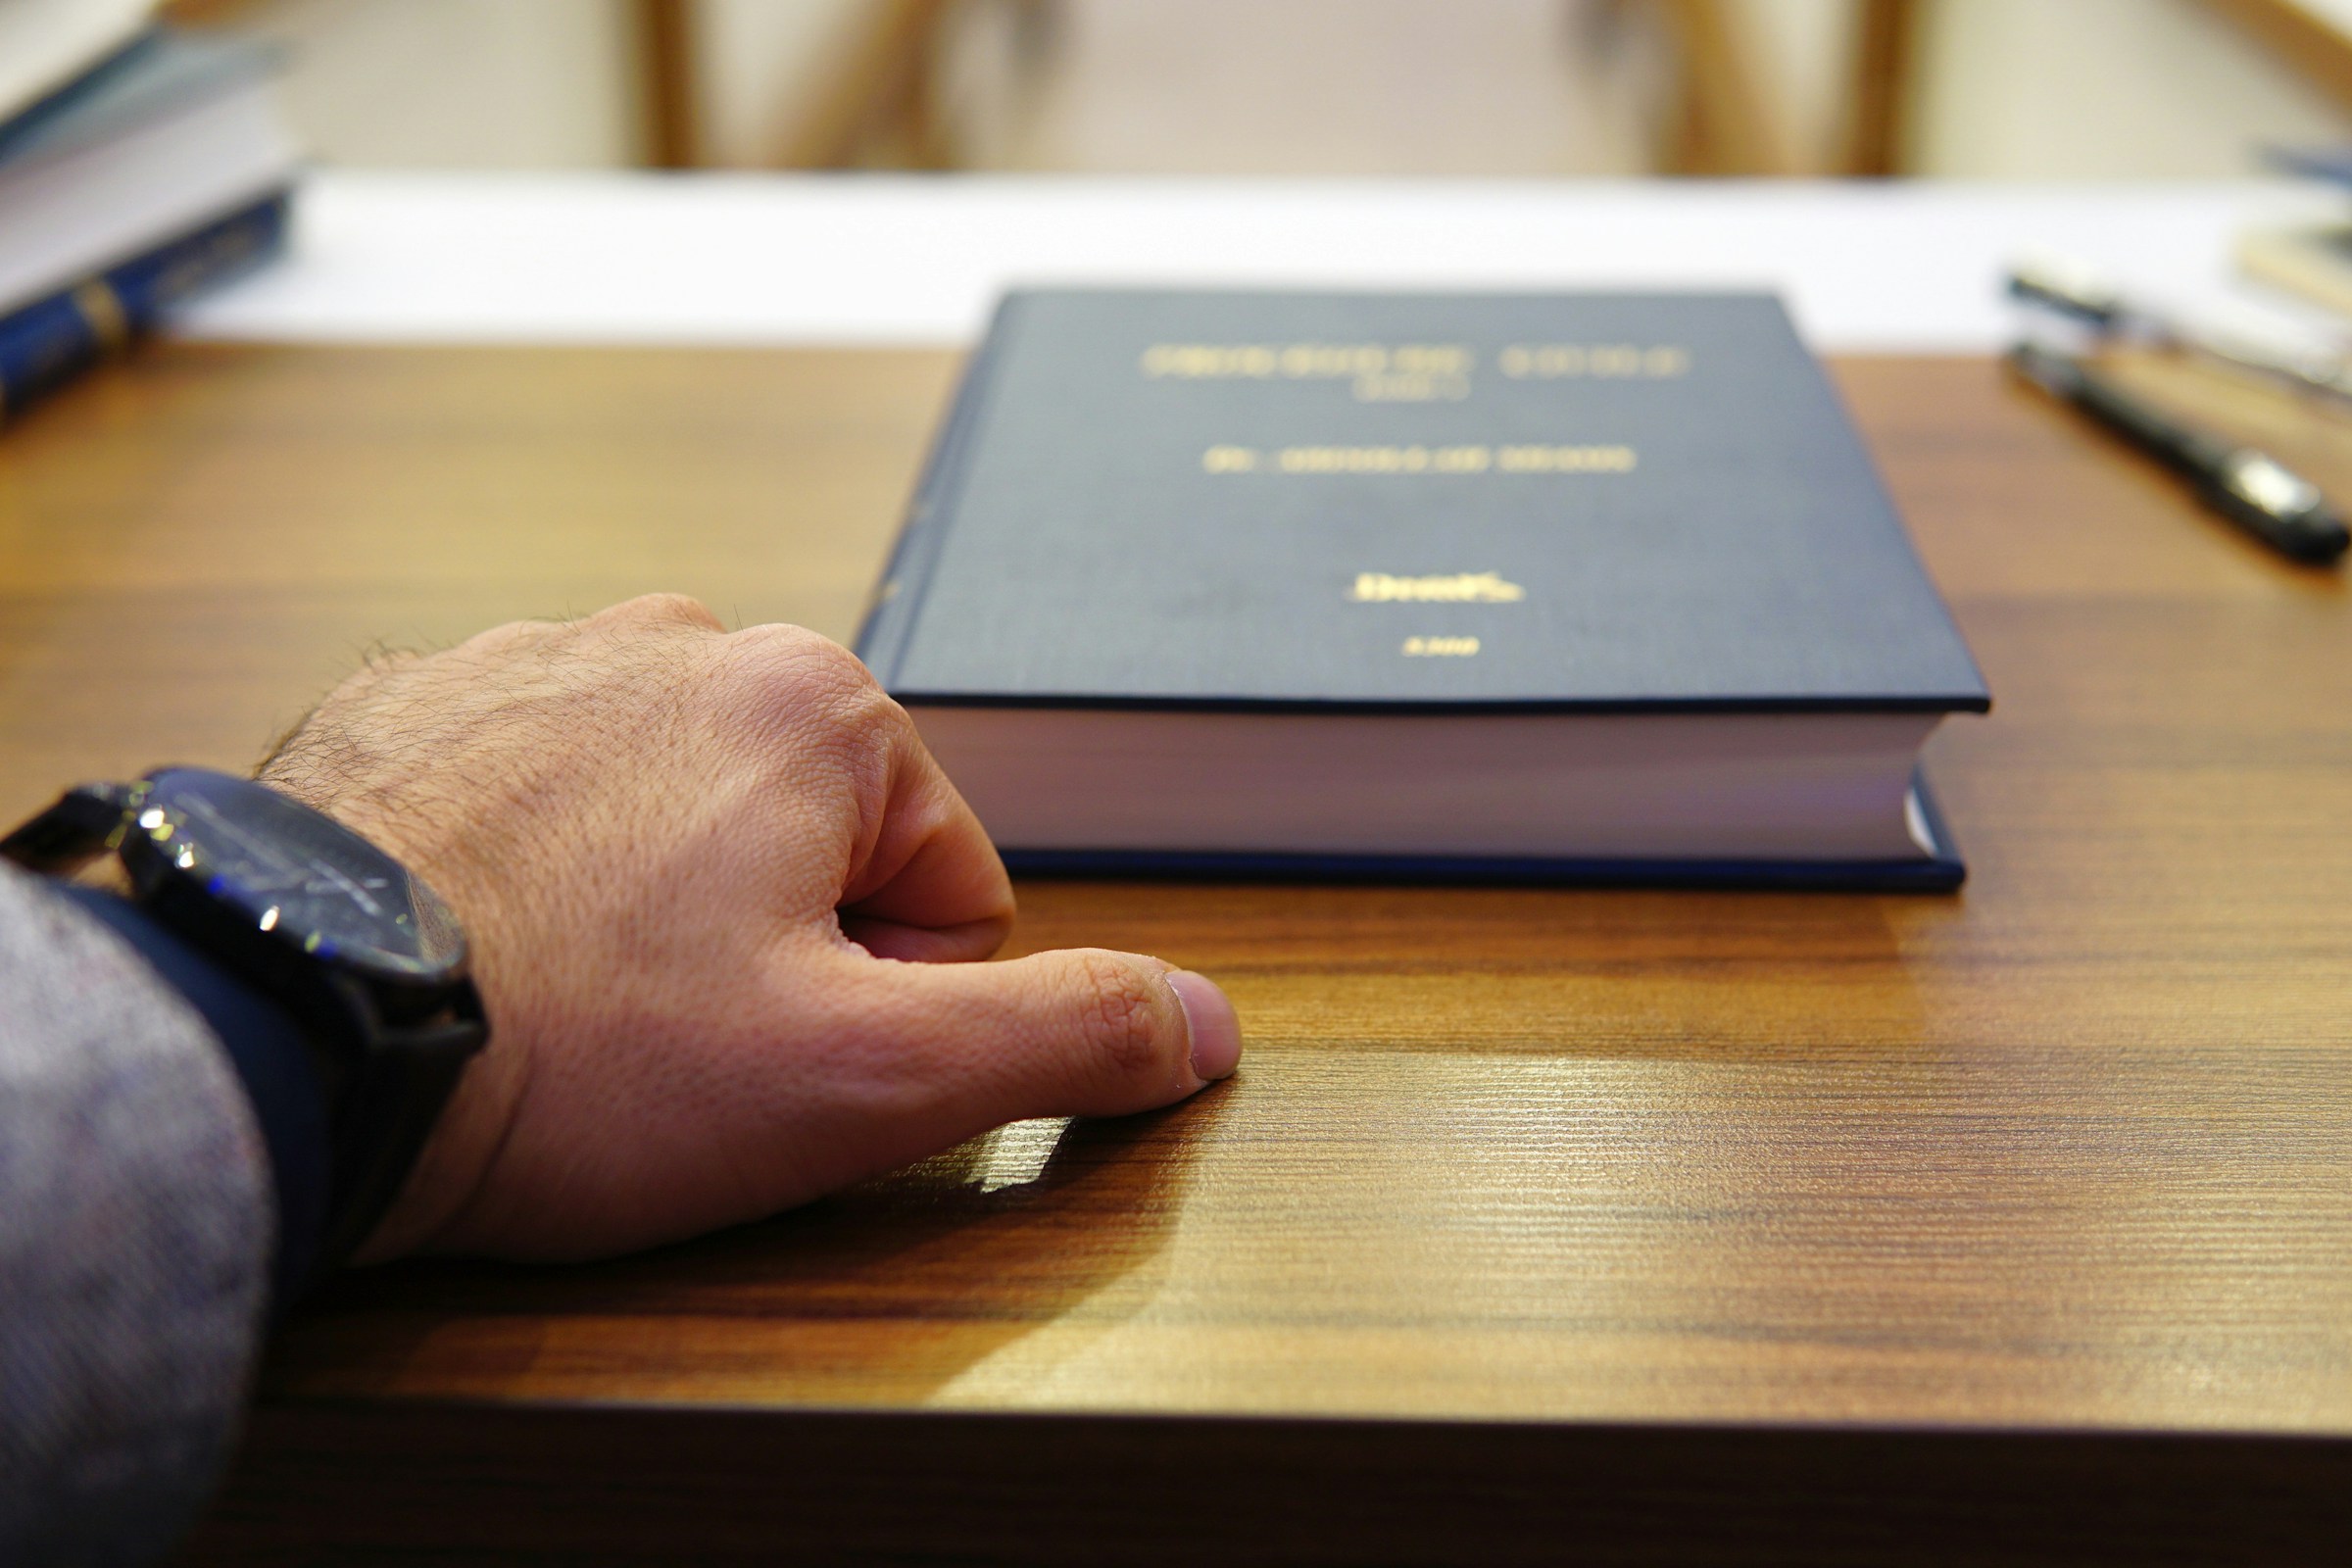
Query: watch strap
{"x": 83, "y": 823}
{"x": 388, "y": 1110}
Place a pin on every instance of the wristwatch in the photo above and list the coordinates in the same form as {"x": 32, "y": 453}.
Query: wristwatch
{"x": 364, "y": 959}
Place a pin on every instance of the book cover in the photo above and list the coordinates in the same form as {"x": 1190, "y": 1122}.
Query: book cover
{"x": 156, "y": 75}
{"x": 1406, "y": 505}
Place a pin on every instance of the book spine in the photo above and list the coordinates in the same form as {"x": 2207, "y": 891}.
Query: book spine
{"x": 889, "y": 614}
{"x": 53, "y": 340}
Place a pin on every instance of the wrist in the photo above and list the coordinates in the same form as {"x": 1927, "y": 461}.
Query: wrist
{"x": 359, "y": 960}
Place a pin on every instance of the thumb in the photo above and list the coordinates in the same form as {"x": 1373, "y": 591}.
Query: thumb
{"x": 1080, "y": 1032}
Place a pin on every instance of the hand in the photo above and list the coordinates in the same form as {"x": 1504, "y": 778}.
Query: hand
{"x": 723, "y": 907}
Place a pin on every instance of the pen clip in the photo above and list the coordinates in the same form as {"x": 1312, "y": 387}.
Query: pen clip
{"x": 2071, "y": 290}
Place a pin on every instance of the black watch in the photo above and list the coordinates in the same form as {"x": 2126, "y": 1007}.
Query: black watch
{"x": 362, "y": 955}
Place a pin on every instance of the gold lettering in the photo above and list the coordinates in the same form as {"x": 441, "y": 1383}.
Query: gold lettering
{"x": 1411, "y": 387}
{"x": 1457, "y": 460}
{"x": 1299, "y": 362}
{"x": 1616, "y": 360}
{"x": 1564, "y": 460}
{"x": 1561, "y": 362}
{"x": 1460, "y": 588}
{"x": 1210, "y": 360}
{"x": 1436, "y": 359}
{"x": 1439, "y": 647}
{"x": 1383, "y": 460}
{"x": 1665, "y": 362}
{"x": 1353, "y": 459}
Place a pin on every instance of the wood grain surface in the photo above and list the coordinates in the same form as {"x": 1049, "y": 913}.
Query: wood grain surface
{"x": 2064, "y": 1154}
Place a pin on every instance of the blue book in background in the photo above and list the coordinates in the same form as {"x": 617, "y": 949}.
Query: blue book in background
{"x": 1550, "y": 587}
{"x": 162, "y": 169}
{"x": 49, "y": 342}
{"x": 2330, "y": 164}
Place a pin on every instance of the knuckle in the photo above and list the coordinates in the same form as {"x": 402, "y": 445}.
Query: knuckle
{"x": 665, "y": 610}
{"x": 510, "y": 635}
{"x": 1121, "y": 1015}
{"x": 811, "y": 655}
{"x": 818, "y": 675}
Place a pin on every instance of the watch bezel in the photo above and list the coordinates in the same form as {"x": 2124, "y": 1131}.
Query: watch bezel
{"x": 162, "y": 847}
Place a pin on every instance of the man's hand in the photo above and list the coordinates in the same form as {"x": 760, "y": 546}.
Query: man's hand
{"x": 723, "y": 907}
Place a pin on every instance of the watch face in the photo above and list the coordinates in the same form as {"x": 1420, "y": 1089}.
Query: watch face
{"x": 302, "y": 876}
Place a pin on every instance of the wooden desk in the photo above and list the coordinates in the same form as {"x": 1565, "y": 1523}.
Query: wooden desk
{"x": 1623, "y": 1226}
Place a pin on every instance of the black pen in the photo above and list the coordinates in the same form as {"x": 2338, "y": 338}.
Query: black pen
{"x": 2255, "y": 491}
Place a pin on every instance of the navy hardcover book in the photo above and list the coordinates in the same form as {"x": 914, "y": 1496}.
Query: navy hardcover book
{"x": 1574, "y": 586}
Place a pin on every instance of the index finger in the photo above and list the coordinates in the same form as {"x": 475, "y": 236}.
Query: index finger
{"x": 933, "y": 888}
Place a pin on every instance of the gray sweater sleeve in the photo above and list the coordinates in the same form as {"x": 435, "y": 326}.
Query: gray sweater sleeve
{"x": 135, "y": 1220}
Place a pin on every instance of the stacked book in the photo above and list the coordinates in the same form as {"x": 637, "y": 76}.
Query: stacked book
{"x": 138, "y": 165}
{"x": 2306, "y": 258}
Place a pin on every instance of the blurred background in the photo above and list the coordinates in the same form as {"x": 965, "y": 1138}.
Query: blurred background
{"x": 2003, "y": 90}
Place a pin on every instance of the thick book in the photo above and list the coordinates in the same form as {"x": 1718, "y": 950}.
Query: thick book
{"x": 2310, "y": 260}
{"x": 169, "y": 136}
{"x": 2314, "y": 262}
{"x": 47, "y": 343}
{"x": 1571, "y": 586}
{"x": 45, "y": 44}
